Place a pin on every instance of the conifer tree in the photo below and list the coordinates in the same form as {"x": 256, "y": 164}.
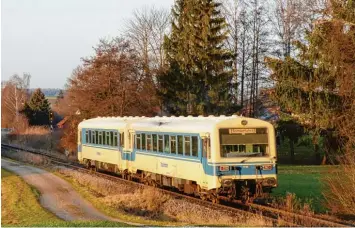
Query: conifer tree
{"x": 199, "y": 75}
{"x": 37, "y": 109}
{"x": 318, "y": 85}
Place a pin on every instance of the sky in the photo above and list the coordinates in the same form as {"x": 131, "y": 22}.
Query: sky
{"x": 47, "y": 38}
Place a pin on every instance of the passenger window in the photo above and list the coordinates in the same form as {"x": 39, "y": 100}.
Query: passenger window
{"x": 93, "y": 137}
{"x": 194, "y": 146}
{"x": 115, "y": 139}
{"x": 155, "y": 142}
{"x": 100, "y": 137}
{"x": 111, "y": 138}
{"x": 87, "y": 136}
{"x": 97, "y": 137}
{"x": 173, "y": 144}
{"x": 122, "y": 139}
{"x": 166, "y": 144}
{"x": 108, "y": 139}
{"x": 90, "y": 139}
{"x": 143, "y": 141}
{"x": 103, "y": 138}
{"x": 187, "y": 146}
{"x": 149, "y": 142}
{"x": 160, "y": 143}
{"x": 180, "y": 145}
{"x": 138, "y": 141}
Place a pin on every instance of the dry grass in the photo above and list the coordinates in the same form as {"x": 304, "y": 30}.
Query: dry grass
{"x": 339, "y": 187}
{"x": 149, "y": 204}
{"x": 37, "y": 137}
{"x": 26, "y": 157}
{"x": 292, "y": 203}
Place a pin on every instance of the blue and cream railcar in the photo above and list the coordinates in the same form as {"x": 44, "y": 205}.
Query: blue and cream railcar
{"x": 207, "y": 156}
{"x": 102, "y": 143}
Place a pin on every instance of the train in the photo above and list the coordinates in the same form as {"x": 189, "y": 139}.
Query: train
{"x": 206, "y": 156}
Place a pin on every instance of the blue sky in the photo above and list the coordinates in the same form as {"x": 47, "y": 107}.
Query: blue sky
{"x": 47, "y": 38}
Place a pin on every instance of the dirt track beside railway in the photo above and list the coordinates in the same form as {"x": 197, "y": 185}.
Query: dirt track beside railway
{"x": 57, "y": 195}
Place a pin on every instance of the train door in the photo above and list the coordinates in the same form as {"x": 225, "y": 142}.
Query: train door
{"x": 80, "y": 142}
{"x": 121, "y": 148}
{"x": 205, "y": 145}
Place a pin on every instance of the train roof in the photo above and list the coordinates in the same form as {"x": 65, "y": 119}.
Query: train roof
{"x": 109, "y": 122}
{"x": 186, "y": 124}
{"x": 179, "y": 124}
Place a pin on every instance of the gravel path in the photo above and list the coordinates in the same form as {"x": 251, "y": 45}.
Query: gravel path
{"x": 57, "y": 195}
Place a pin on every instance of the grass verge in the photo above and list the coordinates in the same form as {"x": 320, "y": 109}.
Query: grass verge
{"x": 20, "y": 204}
{"x": 20, "y": 207}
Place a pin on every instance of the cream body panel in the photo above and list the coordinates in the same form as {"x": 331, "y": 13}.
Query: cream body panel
{"x": 100, "y": 154}
{"x": 168, "y": 166}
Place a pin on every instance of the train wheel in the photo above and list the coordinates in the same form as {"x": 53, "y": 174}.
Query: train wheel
{"x": 87, "y": 164}
{"x": 215, "y": 200}
{"x": 245, "y": 195}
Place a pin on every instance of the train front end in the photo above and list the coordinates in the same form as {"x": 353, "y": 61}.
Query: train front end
{"x": 243, "y": 156}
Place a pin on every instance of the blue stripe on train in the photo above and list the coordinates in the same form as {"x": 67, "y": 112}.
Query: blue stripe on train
{"x": 211, "y": 169}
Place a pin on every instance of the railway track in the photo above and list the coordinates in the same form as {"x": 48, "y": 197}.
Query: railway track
{"x": 277, "y": 217}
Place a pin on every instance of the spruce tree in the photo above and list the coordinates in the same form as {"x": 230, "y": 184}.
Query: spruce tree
{"x": 318, "y": 85}
{"x": 37, "y": 110}
{"x": 199, "y": 75}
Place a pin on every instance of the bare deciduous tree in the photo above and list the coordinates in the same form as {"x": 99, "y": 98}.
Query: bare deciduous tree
{"x": 292, "y": 18}
{"x": 14, "y": 95}
{"x": 110, "y": 83}
{"x": 145, "y": 31}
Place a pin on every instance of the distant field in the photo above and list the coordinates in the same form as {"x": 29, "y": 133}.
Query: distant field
{"x": 304, "y": 181}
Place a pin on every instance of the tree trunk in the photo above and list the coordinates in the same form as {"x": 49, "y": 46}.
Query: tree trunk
{"x": 317, "y": 153}
{"x": 292, "y": 151}
{"x": 315, "y": 142}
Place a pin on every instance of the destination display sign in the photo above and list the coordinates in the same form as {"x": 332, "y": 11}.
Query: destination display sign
{"x": 242, "y": 131}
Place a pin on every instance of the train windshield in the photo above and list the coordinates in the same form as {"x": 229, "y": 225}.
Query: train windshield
{"x": 242, "y": 142}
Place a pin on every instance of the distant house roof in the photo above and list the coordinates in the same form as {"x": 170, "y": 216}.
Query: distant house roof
{"x": 62, "y": 122}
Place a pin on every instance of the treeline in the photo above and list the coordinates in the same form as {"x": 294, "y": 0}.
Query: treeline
{"x": 48, "y": 92}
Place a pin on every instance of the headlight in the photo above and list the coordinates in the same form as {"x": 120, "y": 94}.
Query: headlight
{"x": 267, "y": 167}
{"x": 224, "y": 168}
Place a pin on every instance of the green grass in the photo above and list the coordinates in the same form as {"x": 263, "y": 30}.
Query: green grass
{"x": 19, "y": 202}
{"x": 304, "y": 181}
